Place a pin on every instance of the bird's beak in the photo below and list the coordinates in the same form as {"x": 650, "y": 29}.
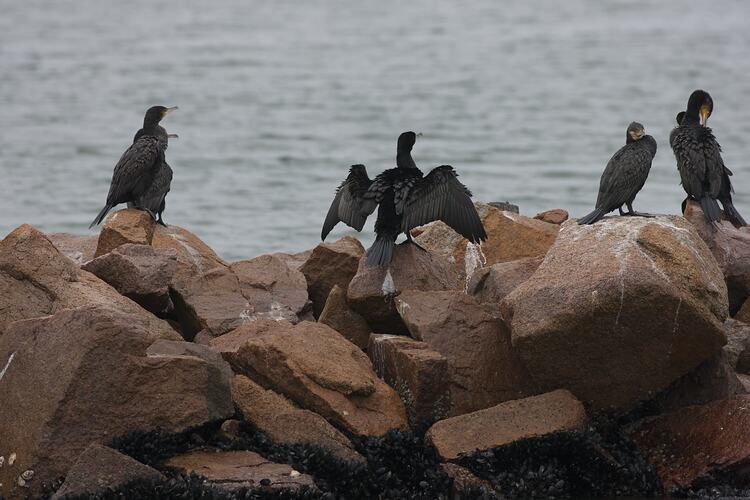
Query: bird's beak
{"x": 703, "y": 113}
{"x": 169, "y": 110}
{"x": 173, "y": 136}
{"x": 419, "y": 134}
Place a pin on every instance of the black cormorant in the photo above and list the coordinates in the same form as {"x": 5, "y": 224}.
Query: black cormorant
{"x": 154, "y": 199}
{"x": 625, "y": 175}
{"x": 405, "y": 199}
{"x": 700, "y": 153}
{"x": 134, "y": 173}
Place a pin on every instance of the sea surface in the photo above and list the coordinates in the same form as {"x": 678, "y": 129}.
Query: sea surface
{"x": 527, "y": 100}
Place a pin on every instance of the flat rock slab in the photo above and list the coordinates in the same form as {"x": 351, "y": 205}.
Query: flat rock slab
{"x": 699, "y": 442}
{"x": 232, "y": 470}
{"x": 506, "y": 423}
{"x": 99, "y": 469}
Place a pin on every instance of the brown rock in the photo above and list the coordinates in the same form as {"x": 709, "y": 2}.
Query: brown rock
{"x": 731, "y": 248}
{"x": 232, "y": 470}
{"x": 554, "y": 216}
{"x": 618, "y": 310}
{"x": 294, "y": 260}
{"x": 463, "y": 478}
{"x": 477, "y": 345}
{"x": 314, "y": 366}
{"x": 506, "y": 423}
{"x": 419, "y": 374}
{"x": 738, "y": 341}
{"x": 744, "y": 313}
{"x": 285, "y": 423}
{"x": 99, "y": 469}
{"x": 129, "y": 225}
{"x": 37, "y": 280}
{"x": 338, "y": 315}
{"x": 490, "y": 285}
{"x": 138, "y": 272}
{"x": 194, "y": 257}
{"x": 329, "y": 265}
{"x": 372, "y": 289}
{"x": 84, "y": 375}
{"x": 745, "y": 381}
{"x": 79, "y": 249}
{"x": 509, "y": 237}
{"x": 698, "y": 442}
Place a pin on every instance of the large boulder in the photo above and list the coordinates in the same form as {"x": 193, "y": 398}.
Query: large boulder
{"x": 698, "y": 443}
{"x": 100, "y": 469}
{"x": 228, "y": 471}
{"x": 284, "y": 423}
{"x": 490, "y": 285}
{"x": 618, "y": 310}
{"x": 372, "y": 290}
{"x": 484, "y": 369}
{"x": 318, "y": 369}
{"x": 79, "y": 249}
{"x": 510, "y": 236}
{"x": 37, "y": 280}
{"x": 138, "y": 272}
{"x": 84, "y": 375}
{"x": 420, "y": 374}
{"x": 731, "y": 249}
{"x": 338, "y": 315}
{"x": 556, "y": 411}
{"x": 329, "y": 265}
{"x": 129, "y": 225}
{"x": 194, "y": 257}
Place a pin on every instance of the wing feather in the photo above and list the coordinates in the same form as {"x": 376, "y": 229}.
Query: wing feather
{"x": 348, "y": 205}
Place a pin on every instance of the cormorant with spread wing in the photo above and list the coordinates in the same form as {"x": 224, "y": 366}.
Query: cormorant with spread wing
{"x": 405, "y": 199}
{"x": 699, "y": 160}
{"x": 135, "y": 172}
{"x": 625, "y": 175}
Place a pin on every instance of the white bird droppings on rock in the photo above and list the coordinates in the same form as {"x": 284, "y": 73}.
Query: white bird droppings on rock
{"x": 389, "y": 287}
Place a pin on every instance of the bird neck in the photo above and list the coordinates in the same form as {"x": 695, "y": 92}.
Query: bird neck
{"x": 150, "y": 128}
{"x": 404, "y": 160}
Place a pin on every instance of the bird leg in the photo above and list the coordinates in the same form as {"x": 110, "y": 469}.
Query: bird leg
{"x": 410, "y": 240}
{"x": 621, "y": 212}
{"x": 637, "y": 214}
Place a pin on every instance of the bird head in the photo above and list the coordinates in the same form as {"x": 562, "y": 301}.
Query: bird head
{"x": 700, "y": 105}
{"x": 635, "y": 132}
{"x": 406, "y": 141}
{"x": 155, "y": 114}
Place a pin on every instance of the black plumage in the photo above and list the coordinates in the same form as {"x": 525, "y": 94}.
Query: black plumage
{"x": 625, "y": 175}
{"x": 154, "y": 199}
{"x": 137, "y": 168}
{"x": 405, "y": 199}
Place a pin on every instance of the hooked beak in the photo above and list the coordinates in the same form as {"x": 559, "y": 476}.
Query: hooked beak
{"x": 173, "y": 136}
{"x": 169, "y": 110}
{"x": 704, "y": 112}
{"x": 419, "y": 134}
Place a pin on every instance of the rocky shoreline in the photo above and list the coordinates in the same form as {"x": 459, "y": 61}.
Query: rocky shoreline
{"x": 556, "y": 360}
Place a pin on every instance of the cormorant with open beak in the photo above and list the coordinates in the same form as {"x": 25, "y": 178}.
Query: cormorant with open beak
{"x": 134, "y": 174}
{"x": 726, "y": 190}
{"x": 625, "y": 175}
{"x": 405, "y": 199}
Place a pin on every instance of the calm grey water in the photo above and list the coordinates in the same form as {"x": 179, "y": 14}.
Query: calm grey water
{"x": 277, "y": 98}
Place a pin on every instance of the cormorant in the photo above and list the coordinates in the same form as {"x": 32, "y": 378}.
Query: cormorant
{"x": 139, "y": 164}
{"x": 687, "y": 139}
{"x": 154, "y": 199}
{"x": 405, "y": 199}
{"x": 625, "y": 175}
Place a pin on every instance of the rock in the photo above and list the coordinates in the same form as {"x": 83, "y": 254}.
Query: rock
{"x": 37, "y": 280}
{"x": 138, "y": 272}
{"x": 79, "y": 249}
{"x": 490, "y": 285}
{"x": 463, "y": 478}
{"x": 294, "y": 260}
{"x": 220, "y": 300}
{"x": 731, "y": 248}
{"x": 619, "y": 310}
{"x": 505, "y": 206}
{"x": 84, "y": 375}
{"x": 129, "y": 225}
{"x": 338, "y": 315}
{"x": 194, "y": 257}
{"x": 231, "y": 470}
{"x": 318, "y": 369}
{"x": 419, "y": 374}
{"x": 554, "y": 216}
{"x": 284, "y": 423}
{"x": 372, "y": 289}
{"x": 99, "y": 469}
{"x": 738, "y": 341}
{"x": 744, "y": 313}
{"x": 509, "y": 237}
{"x": 176, "y": 349}
{"x": 484, "y": 370}
{"x": 506, "y": 423}
{"x": 698, "y": 442}
{"x": 745, "y": 381}
{"x": 329, "y": 265}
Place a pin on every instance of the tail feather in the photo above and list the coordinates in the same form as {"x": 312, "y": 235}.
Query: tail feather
{"x": 381, "y": 252}
{"x": 592, "y": 217}
{"x": 100, "y": 216}
{"x": 733, "y": 215}
{"x": 711, "y": 209}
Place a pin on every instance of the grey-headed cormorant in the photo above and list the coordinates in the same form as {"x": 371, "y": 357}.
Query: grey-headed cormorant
{"x": 405, "y": 199}
{"x": 625, "y": 175}
{"x": 135, "y": 172}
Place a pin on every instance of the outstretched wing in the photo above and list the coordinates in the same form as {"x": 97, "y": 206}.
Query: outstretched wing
{"x": 134, "y": 169}
{"x": 440, "y": 196}
{"x": 347, "y": 206}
